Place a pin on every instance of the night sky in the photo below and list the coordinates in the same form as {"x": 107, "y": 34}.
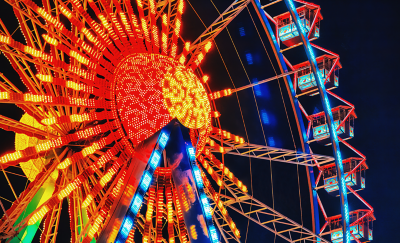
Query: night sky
{"x": 364, "y": 34}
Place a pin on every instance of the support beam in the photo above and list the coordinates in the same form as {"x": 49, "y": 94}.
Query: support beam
{"x": 271, "y": 153}
{"x": 216, "y": 27}
{"x": 261, "y": 214}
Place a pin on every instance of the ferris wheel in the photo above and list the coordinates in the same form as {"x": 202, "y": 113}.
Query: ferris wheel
{"x": 121, "y": 125}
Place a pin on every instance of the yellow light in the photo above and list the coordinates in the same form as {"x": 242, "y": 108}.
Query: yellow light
{"x": 212, "y": 143}
{"x": 207, "y": 47}
{"x": 38, "y": 215}
{"x": 79, "y": 57}
{"x": 89, "y": 35}
{"x": 64, "y": 164}
{"x": 230, "y": 175}
{"x": 193, "y": 232}
{"x": 45, "y": 78}
{"x": 87, "y": 201}
{"x": 237, "y": 233}
{"x": 223, "y": 210}
{"x": 73, "y": 85}
{"x": 32, "y": 51}
{"x": 11, "y": 157}
{"x": 4, "y": 96}
{"x": 187, "y": 46}
{"x": 186, "y": 98}
{"x": 219, "y": 182}
{"x": 180, "y": 6}
{"x": 241, "y": 140}
{"x": 5, "y": 39}
{"x": 164, "y": 19}
{"x": 226, "y": 171}
{"x": 182, "y": 59}
{"x": 200, "y": 57}
{"x": 49, "y": 121}
{"x": 90, "y": 150}
{"x": 244, "y": 188}
{"x": 233, "y": 225}
{"x": 239, "y": 184}
{"x": 65, "y": 11}
{"x": 210, "y": 170}
{"x": 221, "y": 149}
{"x": 205, "y": 78}
{"x": 105, "y": 179}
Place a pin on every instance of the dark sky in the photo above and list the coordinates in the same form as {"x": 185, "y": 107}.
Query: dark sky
{"x": 364, "y": 34}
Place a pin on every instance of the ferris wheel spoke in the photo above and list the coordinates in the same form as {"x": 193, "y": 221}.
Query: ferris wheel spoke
{"x": 246, "y": 205}
{"x": 271, "y": 153}
{"x": 19, "y": 127}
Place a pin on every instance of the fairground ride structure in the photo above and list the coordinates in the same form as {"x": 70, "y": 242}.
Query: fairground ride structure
{"x": 120, "y": 121}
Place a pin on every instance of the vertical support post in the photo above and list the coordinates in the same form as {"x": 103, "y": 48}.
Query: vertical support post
{"x": 296, "y": 110}
{"x": 329, "y": 118}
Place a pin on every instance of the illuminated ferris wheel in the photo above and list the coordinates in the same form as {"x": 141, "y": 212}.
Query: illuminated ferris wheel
{"x": 120, "y": 122}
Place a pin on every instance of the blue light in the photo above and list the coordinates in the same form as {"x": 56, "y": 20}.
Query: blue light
{"x": 192, "y": 154}
{"x": 155, "y": 159}
{"x": 213, "y": 233}
{"x": 145, "y": 181}
{"x": 197, "y": 176}
{"x": 241, "y": 31}
{"x": 136, "y": 204}
{"x": 264, "y": 117}
{"x": 163, "y": 140}
{"x": 127, "y": 226}
{"x": 249, "y": 58}
{"x": 206, "y": 206}
{"x": 271, "y": 141}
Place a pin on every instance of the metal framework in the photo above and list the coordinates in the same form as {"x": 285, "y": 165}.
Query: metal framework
{"x": 75, "y": 78}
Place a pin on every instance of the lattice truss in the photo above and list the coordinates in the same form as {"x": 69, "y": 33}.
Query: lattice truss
{"x": 80, "y": 126}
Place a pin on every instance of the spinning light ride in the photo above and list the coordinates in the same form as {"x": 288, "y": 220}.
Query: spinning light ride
{"x": 120, "y": 122}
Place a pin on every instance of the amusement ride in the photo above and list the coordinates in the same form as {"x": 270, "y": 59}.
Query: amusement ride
{"x": 120, "y": 123}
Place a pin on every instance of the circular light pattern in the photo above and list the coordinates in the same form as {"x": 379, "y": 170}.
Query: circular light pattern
{"x": 152, "y": 89}
{"x": 185, "y": 97}
{"x": 139, "y": 95}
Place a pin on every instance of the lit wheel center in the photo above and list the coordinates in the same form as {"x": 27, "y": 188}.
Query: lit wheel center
{"x": 152, "y": 89}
